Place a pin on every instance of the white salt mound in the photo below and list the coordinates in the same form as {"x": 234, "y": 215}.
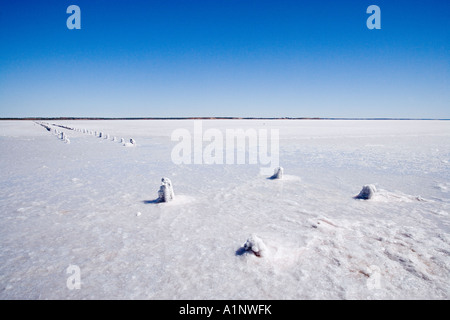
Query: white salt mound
{"x": 278, "y": 173}
{"x": 256, "y": 245}
{"x": 367, "y": 192}
{"x": 165, "y": 193}
{"x": 132, "y": 143}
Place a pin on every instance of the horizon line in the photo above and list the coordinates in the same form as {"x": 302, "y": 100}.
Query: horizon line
{"x": 212, "y": 118}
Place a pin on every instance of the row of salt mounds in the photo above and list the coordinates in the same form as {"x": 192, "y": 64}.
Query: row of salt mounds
{"x": 106, "y": 136}
{"x": 46, "y": 126}
{"x": 132, "y": 142}
{"x": 61, "y": 135}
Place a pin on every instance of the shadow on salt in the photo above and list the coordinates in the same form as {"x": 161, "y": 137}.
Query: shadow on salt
{"x": 286, "y": 177}
{"x": 178, "y": 200}
{"x": 386, "y": 196}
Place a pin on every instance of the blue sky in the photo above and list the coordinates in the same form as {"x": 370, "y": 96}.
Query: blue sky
{"x": 244, "y": 58}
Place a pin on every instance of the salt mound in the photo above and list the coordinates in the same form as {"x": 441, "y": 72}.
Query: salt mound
{"x": 256, "y": 245}
{"x": 132, "y": 143}
{"x": 165, "y": 193}
{"x": 278, "y": 173}
{"x": 367, "y": 192}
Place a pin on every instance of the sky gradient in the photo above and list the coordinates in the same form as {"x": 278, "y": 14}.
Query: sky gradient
{"x": 240, "y": 58}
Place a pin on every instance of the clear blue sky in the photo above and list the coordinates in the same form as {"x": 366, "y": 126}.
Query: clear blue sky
{"x": 258, "y": 58}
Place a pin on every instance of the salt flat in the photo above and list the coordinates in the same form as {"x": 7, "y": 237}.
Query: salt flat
{"x": 91, "y": 203}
